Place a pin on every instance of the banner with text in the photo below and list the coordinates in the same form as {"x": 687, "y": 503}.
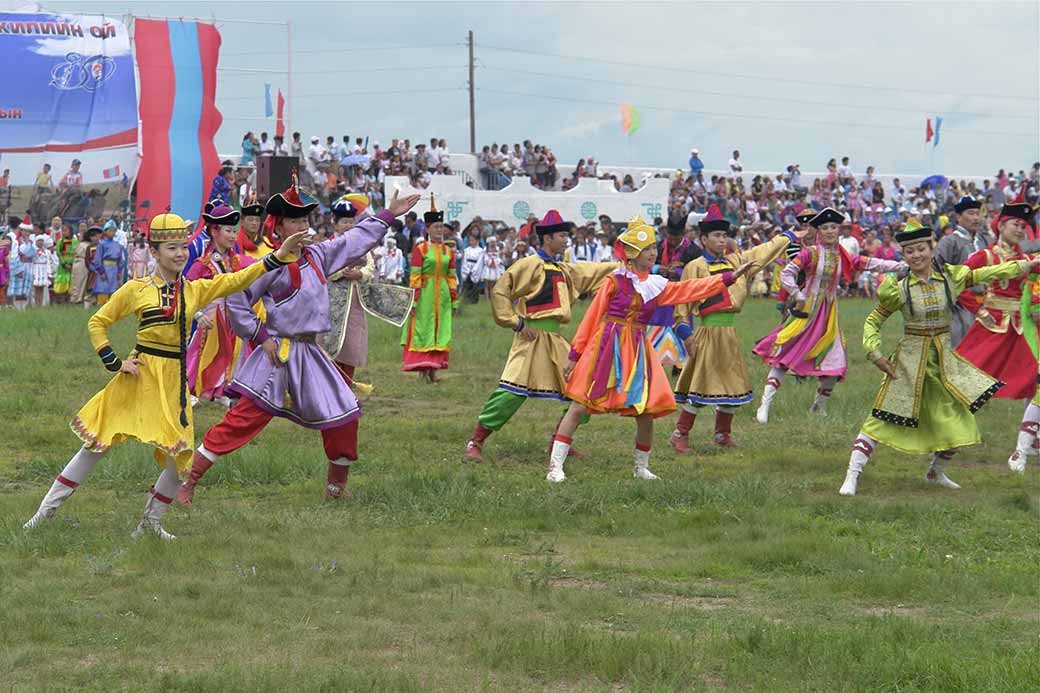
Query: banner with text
{"x": 69, "y": 94}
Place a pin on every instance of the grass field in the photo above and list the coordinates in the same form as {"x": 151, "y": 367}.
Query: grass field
{"x": 740, "y": 570}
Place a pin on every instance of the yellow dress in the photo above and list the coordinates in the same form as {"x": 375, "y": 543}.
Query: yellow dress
{"x": 147, "y": 407}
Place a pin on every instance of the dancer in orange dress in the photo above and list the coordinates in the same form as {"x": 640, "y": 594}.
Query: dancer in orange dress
{"x": 612, "y": 367}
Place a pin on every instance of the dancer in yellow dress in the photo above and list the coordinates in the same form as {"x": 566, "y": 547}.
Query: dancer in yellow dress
{"x": 147, "y": 398}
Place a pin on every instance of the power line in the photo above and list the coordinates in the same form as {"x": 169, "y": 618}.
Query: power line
{"x": 672, "y": 68}
{"x": 344, "y": 50}
{"x": 336, "y": 70}
{"x": 755, "y": 116}
{"x": 325, "y": 95}
{"x": 832, "y": 104}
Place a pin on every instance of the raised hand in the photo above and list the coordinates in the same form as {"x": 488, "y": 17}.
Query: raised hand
{"x": 291, "y": 246}
{"x": 743, "y": 269}
{"x": 399, "y": 206}
{"x": 801, "y": 232}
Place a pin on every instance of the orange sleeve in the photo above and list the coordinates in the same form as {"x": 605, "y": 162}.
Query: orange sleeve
{"x": 593, "y": 317}
{"x": 415, "y": 266}
{"x": 690, "y": 290}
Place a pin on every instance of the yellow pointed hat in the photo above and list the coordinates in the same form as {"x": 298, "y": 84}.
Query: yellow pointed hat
{"x": 638, "y": 236}
{"x": 168, "y": 227}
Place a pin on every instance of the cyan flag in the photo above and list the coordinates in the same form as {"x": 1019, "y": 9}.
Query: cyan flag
{"x": 938, "y": 124}
{"x": 268, "y": 109}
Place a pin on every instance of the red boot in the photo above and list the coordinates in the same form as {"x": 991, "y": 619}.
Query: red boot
{"x": 680, "y": 439}
{"x": 200, "y": 464}
{"x": 723, "y": 429}
{"x": 475, "y": 446}
{"x": 336, "y": 482}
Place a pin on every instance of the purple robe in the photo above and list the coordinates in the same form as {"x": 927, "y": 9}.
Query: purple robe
{"x": 307, "y": 388}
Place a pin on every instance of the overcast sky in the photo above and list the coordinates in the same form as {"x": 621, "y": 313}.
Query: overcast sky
{"x": 782, "y": 82}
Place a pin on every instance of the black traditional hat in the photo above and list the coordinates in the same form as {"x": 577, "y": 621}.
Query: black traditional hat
{"x": 433, "y": 216}
{"x": 713, "y": 221}
{"x": 1019, "y": 210}
{"x": 291, "y": 204}
{"x": 552, "y": 222}
{"x": 218, "y": 212}
{"x": 805, "y": 216}
{"x": 965, "y": 203}
{"x": 913, "y": 232}
{"x": 253, "y": 208}
{"x": 676, "y": 224}
{"x": 827, "y": 216}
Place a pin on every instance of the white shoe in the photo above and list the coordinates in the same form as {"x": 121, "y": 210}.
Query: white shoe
{"x": 762, "y": 415}
{"x": 1017, "y": 462}
{"x": 194, "y": 401}
{"x": 818, "y": 408}
{"x": 37, "y": 519}
{"x": 644, "y": 473}
{"x": 151, "y": 522}
{"x": 147, "y": 527}
{"x": 224, "y": 401}
{"x": 555, "y": 476}
{"x": 849, "y": 487}
{"x": 938, "y": 476}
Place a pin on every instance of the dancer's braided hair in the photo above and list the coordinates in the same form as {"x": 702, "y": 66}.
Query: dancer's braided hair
{"x": 182, "y": 328}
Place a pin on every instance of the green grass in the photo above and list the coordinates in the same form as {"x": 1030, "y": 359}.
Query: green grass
{"x": 740, "y": 570}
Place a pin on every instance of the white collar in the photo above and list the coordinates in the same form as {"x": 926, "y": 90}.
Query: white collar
{"x": 649, "y": 288}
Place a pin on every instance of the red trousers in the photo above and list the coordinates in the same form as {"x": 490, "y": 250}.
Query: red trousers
{"x": 244, "y": 420}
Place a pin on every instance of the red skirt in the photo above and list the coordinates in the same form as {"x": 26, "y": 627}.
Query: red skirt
{"x": 1006, "y": 357}
{"x": 435, "y": 359}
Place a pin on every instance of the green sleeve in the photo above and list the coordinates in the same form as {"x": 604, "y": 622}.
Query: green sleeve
{"x": 965, "y": 277}
{"x": 889, "y": 301}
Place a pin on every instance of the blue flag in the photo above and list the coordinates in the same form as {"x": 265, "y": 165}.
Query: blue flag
{"x": 938, "y": 124}
{"x": 268, "y": 109}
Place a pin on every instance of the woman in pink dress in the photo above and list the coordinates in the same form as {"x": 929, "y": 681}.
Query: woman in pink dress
{"x": 810, "y": 343}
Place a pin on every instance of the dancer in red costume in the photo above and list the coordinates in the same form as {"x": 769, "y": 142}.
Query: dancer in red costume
{"x": 996, "y": 342}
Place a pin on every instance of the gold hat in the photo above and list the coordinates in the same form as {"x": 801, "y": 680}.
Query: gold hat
{"x": 638, "y": 236}
{"x": 168, "y": 227}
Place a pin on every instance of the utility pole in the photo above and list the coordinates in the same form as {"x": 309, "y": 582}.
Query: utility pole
{"x": 472, "y": 104}
{"x": 288, "y": 78}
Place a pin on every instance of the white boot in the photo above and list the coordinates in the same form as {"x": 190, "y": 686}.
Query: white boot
{"x": 1027, "y": 440}
{"x": 58, "y": 494}
{"x": 823, "y": 393}
{"x": 772, "y": 385}
{"x": 560, "y": 447}
{"x": 862, "y": 449}
{"x": 154, "y": 509}
{"x": 642, "y": 462}
{"x": 936, "y": 471}
{"x": 819, "y": 405}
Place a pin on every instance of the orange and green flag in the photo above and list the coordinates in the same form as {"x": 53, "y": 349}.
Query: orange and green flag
{"x": 629, "y": 118}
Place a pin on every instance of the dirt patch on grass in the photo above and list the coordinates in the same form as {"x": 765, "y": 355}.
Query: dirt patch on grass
{"x": 917, "y": 612}
{"x": 703, "y": 603}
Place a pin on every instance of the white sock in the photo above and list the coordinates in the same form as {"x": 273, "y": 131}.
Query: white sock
{"x": 862, "y": 448}
{"x": 560, "y": 448}
{"x": 1027, "y": 434}
{"x": 168, "y": 481}
{"x": 81, "y": 464}
{"x": 642, "y": 457}
{"x": 823, "y": 392}
{"x": 208, "y": 454}
{"x": 773, "y": 380}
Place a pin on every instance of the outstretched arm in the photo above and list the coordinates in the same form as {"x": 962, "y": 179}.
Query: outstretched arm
{"x": 690, "y": 290}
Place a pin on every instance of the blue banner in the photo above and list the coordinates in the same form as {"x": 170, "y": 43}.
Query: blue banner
{"x": 70, "y": 90}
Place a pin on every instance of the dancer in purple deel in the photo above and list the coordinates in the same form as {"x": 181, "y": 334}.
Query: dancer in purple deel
{"x": 288, "y": 374}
